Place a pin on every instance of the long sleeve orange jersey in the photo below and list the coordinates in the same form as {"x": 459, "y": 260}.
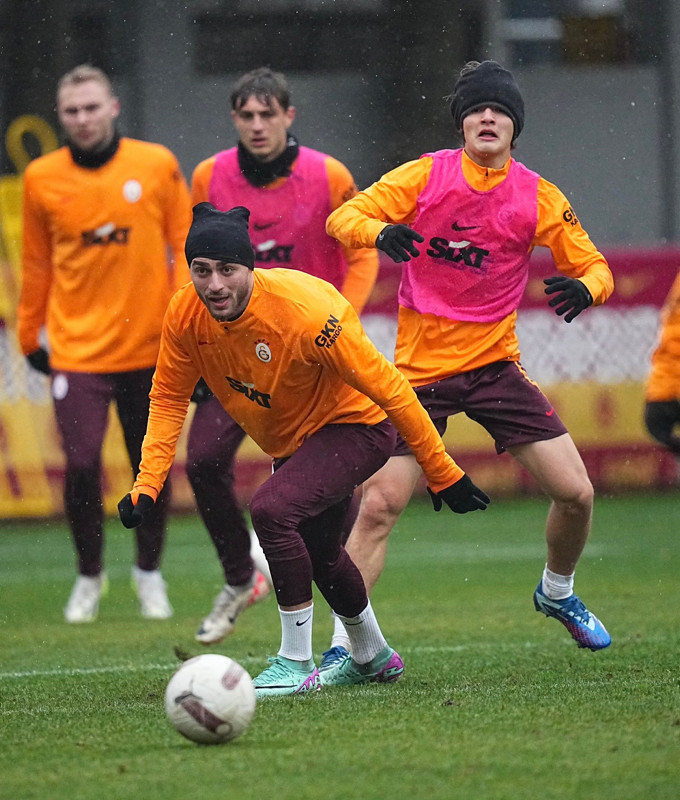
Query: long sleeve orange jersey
{"x": 103, "y": 251}
{"x": 296, "y": 360}
{"x": 663, "y": 383}
{"x": 431, "y": 347}
{"x": 362, "y": 263}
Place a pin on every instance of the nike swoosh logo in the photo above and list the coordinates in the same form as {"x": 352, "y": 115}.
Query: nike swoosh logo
{"x": 200, "y": 342}
{"x": 361, "y": 622}
{"x": 457, "y": 227}
{"x": 263, "y": 226}
{"x": 550, "y": 413}
{"x": 303, "y": 622}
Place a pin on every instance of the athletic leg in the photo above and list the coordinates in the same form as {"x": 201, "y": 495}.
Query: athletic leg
{"x": 298, "y": 515}
{"x": 81, "y": 403}
{"x": 214, "y": 438}
{"x": 320, "y": 475}
{"x": 384, "y": 497}
{"x": 559, "y": 470}
{"x": 557, "y": 467}
{"x": 132, "y": 403}
{"x": 521, "y": 419}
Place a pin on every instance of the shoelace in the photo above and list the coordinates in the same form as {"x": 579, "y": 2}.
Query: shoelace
{"x": 576, "y": 608}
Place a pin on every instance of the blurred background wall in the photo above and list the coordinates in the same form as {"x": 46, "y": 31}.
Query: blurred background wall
{"x": 369, "y": 79}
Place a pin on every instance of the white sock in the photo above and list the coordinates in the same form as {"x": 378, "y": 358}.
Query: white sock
{"x": 365, "y": 636}
{"x": 296, "y": 633}
{"x": 236, "y": 591}
{"x": 557, "y": 587}
{"x": 340, "y": 637}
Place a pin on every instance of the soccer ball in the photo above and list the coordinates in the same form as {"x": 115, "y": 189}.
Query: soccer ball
{"x": 210, "y": 699}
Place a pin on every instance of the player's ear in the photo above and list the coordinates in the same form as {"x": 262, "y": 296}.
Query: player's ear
{"x": 290, "y": 113}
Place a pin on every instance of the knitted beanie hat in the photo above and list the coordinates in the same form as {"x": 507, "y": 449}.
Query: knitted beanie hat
{"x": 222, "y": 235}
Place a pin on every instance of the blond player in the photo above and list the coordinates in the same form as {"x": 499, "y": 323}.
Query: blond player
{"x": 100, "y": 216}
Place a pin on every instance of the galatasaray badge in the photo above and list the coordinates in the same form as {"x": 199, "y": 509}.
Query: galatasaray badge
{"x": 262, "y": 351}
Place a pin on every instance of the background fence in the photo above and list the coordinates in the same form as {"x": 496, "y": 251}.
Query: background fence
{"x": 593, "y": 370}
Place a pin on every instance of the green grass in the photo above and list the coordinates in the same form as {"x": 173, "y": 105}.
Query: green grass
{"x": 496, "y": 701}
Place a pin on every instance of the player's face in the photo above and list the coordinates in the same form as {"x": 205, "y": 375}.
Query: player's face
{"x": 262, "y": 128}
{"x": 224, "y": 288}
{"x": 488, "y": 136}
{"x": 87, "y": 112}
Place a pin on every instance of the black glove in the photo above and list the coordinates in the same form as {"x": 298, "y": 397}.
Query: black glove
{"x": 133, "y": 515}
{"x": 39, "y": 360}
{"x": 201, "y": 392}
{"x": 573, "y": 296}
{"x": 461, "y": 497}
{"x": 397, "y": 242}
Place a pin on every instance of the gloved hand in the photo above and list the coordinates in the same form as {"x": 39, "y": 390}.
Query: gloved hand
{"x": 201, "y": 392}
{"x": 39, "y": 359}
{"x": 460, "y": 497}
{"x": 397, "y": 242}
{"x": 132, "y": 515}
{"x": 573, "y": 296}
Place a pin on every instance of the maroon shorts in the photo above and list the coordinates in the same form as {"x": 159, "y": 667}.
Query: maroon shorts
{"x": 500, "y": 397}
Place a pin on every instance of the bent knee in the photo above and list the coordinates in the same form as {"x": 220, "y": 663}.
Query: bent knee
{"x": 578, "y": 496}
{"x": 266, "y": 511}
{"x": 382, "y": 505}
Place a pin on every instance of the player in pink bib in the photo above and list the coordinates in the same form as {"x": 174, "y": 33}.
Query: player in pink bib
{"x": 464, "y": 223}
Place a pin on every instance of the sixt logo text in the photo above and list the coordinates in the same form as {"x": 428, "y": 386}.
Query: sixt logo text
{"x": 329, "y": 334}
{"x": 99, "y": 237}
{"x": 460, "y": 254}
{"x": 279, "y": 254}
{"x": 250, "y": 392}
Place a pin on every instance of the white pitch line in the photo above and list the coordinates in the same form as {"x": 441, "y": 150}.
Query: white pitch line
{"x": 65, "y": 672}
{"x": 172, "y": 666}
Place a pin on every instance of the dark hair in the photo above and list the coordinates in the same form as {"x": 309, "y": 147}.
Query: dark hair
{"x": 471, "y": 66}
{"x": 265, "y": 84}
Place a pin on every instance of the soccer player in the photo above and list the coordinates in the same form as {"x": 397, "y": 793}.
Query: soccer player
{"x": 290, "y": 190}
{"x": 478, "y": 214}
{"x": 99, "y": 216}
{"x": 286, "y": 355}
{"x": 662, "y": 393}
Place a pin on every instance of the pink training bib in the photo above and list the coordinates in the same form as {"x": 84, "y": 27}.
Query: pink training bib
{"x": 288, "y": 223}
{"x": 473, "y": 265}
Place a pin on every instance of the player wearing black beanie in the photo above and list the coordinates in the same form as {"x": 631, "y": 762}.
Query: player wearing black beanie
{"x": 479, "y": 214}
{"x": 488, "y": 84}
{"x": 222, "y": 235}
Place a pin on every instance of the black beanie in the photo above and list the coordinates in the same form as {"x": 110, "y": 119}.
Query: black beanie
{"x": 222, "y": 235}
{"x": 487, "y": 85}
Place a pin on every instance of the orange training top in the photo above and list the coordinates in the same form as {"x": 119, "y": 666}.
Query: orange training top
{"x": 431, "y": 347}
{"x": 663, "y": 383}
{"x": 103, "y": 251}
{"x": 296, "y": 360}
{"x": 362, "y": 263}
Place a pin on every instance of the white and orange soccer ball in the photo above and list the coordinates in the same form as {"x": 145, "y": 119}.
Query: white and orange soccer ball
{"x": 210, "y": 699}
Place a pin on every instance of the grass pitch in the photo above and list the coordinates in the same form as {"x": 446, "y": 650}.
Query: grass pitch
{"x": 496, "y": 701}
